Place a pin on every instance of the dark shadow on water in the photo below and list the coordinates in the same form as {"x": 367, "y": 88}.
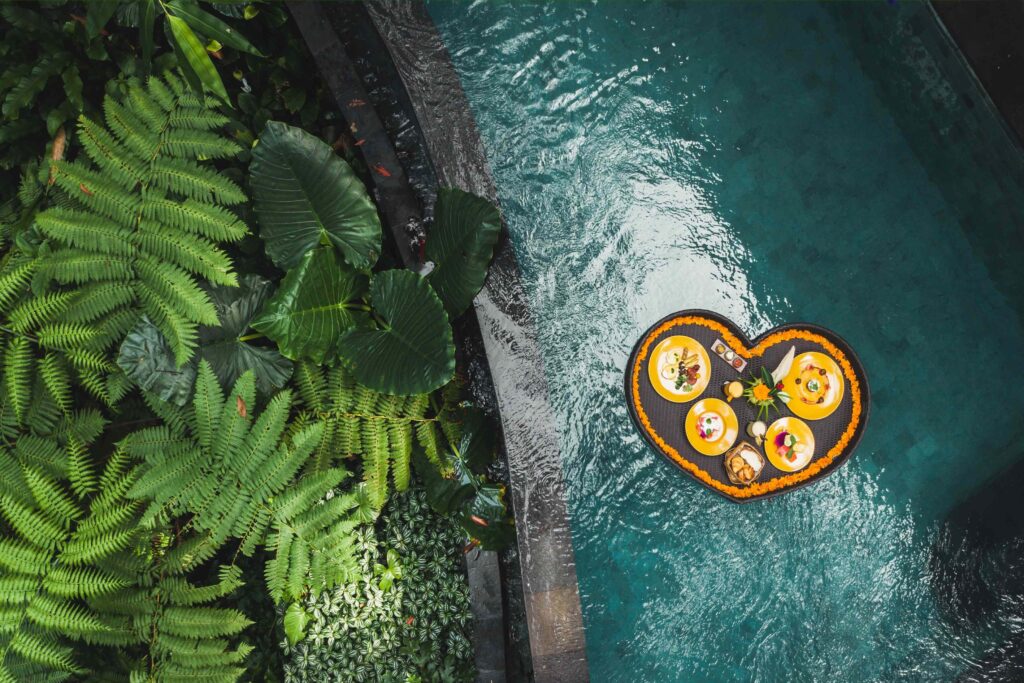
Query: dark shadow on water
{"x": 977, "y": 569}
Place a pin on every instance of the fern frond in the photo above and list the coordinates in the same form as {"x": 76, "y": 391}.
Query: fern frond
{"x": 202, "y": 622}
{"x": 54, "y": 375}
{"x": 34, "y": 311}
{"x": 18, "y": 367}
{"x": 13, "y": 280}
{"x": 142, "y": 227}
{"x": 63, "y": 616}
{"x": 81, "y": 474}
{"x": 92, "y": 302}
{"x": 81, "y": 582}
{"x": 187, "y": 178}
{"x": 43, "y": 650}
{"x": 380, "y": 428}
{"x": 376, "y": 460}
{"x": 50, "y": 497}
{"x": 31, "y": 524}
{"x": 86, "y": 231}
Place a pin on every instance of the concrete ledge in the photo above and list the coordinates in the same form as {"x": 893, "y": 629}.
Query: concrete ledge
{"x": 553, "y": 612}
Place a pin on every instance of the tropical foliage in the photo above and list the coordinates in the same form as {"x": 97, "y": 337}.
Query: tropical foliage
{"x": 192, "y": 412}
{"x": 317, "y": 221}
{"x": 143, "y": 219}
{"x": 414, "y": 628}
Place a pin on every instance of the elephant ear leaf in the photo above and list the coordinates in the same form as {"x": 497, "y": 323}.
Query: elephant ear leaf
{"x": 317, "y": 302}
{"x": 223, "y": 347}
{"x": 146, "y": 356}
{"x": 148, "y": 360}
{"x": 413, "y": 352}
{"x": 461, "y": 243}
{"x": 305, "y": 195}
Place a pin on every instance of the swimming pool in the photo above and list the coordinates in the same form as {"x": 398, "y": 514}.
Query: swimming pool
{"x": 774, "y": 163}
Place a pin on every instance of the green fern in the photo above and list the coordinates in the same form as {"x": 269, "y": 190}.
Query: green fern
{"x": 53, "y": 552}
{"x": 378, "y": 428}
{"x": 236, "y": 476}
{"x": 183, "y": 636}
{"x": 141, "y": 227}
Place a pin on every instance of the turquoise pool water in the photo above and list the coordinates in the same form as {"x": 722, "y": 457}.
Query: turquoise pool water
{"x": 775, "y": 163}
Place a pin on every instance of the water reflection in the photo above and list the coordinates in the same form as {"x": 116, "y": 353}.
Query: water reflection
{"x": 742, "y": 158}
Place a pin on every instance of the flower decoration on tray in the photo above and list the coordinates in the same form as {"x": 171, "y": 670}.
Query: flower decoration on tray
{"x": 762, "y": 391}
{"x": 816, "y": 376}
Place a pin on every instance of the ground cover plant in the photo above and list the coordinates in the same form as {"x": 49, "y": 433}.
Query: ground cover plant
{"x": 211, "y": 381}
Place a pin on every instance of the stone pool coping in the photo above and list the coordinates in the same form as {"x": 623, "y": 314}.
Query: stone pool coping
{"x": 553, "y": 613}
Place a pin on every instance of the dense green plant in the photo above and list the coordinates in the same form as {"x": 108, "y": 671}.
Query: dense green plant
{"x": 415, "y": 626}
{"x": 318, "y": 222}
{"x": 454, "y": 471}
{"x": 44, "y": 78}
{"x": 63, "y": 521}
{"x": 144, "y": 219}
{"x": 234, "y": 477}
{"x": 135, "y": 494}
{"x": 453, "y": 442}
{"x": 58, "y": 55}
{"x": 192, "y": 33}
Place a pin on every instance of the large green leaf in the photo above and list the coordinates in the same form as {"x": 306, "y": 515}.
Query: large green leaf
{"x": 196, "y": 58}
{"x": 211, "y": 26}
{"x": 226, "y": 348}
{"x": 413, "y": 352}
{"x": 461, "y": 243}
{"x": 295, "y": 621}
{"x": 148, "y": 360}
{"x": 318, "y": 301}
{"x": 305, "y": 195}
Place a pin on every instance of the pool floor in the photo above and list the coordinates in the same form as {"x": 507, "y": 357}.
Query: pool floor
{"x": 774, "y": 163}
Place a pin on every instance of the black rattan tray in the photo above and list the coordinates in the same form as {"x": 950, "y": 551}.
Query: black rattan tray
{"x": 661, "y": 421}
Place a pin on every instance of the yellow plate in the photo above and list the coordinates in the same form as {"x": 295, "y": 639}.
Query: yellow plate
{"x": 661, "y": 359}
{"x": 804, "y": 435}
{"x": 725, "y": 427}
{"x": 815, "y": 385}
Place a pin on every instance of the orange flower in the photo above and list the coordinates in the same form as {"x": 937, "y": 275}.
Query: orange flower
{"x": 761, "y": 392}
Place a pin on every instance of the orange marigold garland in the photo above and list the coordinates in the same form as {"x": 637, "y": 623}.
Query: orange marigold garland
{"x": 729, "y": 338}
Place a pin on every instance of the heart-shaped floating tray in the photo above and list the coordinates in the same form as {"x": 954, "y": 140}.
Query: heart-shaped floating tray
{"x": 661, "y": 421}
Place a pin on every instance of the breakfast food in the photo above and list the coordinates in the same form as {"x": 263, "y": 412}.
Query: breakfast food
{"x": 815, "y": 385}
{"x": 788, "y": 446}
{"x": 728, "y": 355}
{"x": 743, "y": 464}
{"x": 812, "y": 384}
{"x": 710, "y": 426}
{"x": 681, "y": 367}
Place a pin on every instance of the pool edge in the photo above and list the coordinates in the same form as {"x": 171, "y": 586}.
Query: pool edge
{"x": 551, "y": 593}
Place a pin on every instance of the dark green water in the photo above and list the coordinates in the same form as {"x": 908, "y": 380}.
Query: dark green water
{"x": 775, "y": 163}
